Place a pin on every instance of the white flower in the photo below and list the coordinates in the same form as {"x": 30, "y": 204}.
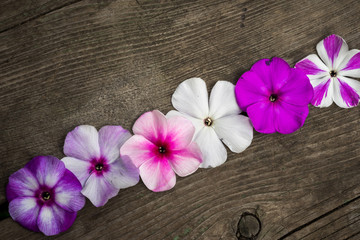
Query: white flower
{"x": 214, "y": 120}
{"x": 331, "y": 76}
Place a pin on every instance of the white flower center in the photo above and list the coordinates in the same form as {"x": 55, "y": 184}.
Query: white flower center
{"x": 208, "y": 121}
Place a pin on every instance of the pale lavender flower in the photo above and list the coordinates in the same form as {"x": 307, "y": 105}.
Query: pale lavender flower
{"x": 94, "y": 158}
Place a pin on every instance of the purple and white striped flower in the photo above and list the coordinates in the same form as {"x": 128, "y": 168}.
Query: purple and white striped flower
{"x": 332, "y": 76}
{"x": 94, "y": 158}
{"x": 44, "y": 196}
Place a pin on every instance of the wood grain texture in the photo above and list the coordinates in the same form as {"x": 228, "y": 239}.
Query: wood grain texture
{"x": 107, "y": 62}
{"x": 17, "y": 12}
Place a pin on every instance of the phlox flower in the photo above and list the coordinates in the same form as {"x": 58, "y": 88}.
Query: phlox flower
{"x": 332, "y": 76}
{"x": 94, "y": 158}
{"x": 216, "y": 119}
{"x": 162, "y": 147}
{"x": 44, "y": 196}
{"x": 275, "y": 96}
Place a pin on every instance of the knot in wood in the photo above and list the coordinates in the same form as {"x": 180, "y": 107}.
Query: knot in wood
{"x": 249, "y": 227}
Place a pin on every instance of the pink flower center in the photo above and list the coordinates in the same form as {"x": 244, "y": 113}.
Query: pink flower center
{"x": 333, "y": 73}
{"x": 45, "y": 196}
{"x": 208, "y": 121}
{"x": 273, "y": 97}
{"x": 162, "y": 149}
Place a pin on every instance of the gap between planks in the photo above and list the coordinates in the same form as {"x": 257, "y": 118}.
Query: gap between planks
{"x": 320, "y": 217}
{"x": 39, "y": 15}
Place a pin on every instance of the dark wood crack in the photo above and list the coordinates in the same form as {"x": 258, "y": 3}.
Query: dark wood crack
{"x": 320, "y": 217}
{"x": 39, "y": 15}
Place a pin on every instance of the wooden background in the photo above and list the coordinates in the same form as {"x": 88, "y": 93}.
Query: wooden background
{"x": 64, "y": 63}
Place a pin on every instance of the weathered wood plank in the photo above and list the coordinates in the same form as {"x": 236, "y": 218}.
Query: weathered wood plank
{"x": 106, "y": 62}
{"x": 16, "y": 12}
{"x": 341, "y": 223}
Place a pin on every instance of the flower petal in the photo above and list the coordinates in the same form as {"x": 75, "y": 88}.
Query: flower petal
{"x": 180, "y": 132}
{"x": 298, "y": 90}
{"x": 222, "y": 100}
{"x": 262, "y": 69}
{"x": 68, "y": 193}
{"x": 273, "y": 72}
{"x": 262, "y": 117}
{"x": 186, "y": 161}
{"x": 213, "y": 151}
{"x": 48, "y": 170}
{"x": 289, "y": 117}
{"x": 122, "y": 173}
{"x": 350, "y": 66}
{"x": 53, "y": 219}
{"x": 22, "y": 183}
{"x": 152, "y": 125}
{"x": 313, "y": 67}
{"x": 197, "y": 123}
{"x": 332, "y": 50}
{"x": 323, "y": 92}
{"x": 235, "y": 131}
{"x": 191, "y": 97}
{"x": 346, "y": 92}
{"x": 157, "y": 175}
{"x": 111, "y": 138}
{"x": 78, "y": 167}
{"x": 98, "y": 190}
{"x": 251, "y": 89}
{"x": 138, "y": 149}
{"x": 25, "y": 211}
{"x": 82, "y": 143}
{"x": 279, "y": 72}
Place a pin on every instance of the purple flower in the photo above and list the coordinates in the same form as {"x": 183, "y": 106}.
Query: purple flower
{"x": 94, "y": 158}
{"x": 275, "y": 96}
{"x": 44, "y": 196}
{"x": 332, "y": 76}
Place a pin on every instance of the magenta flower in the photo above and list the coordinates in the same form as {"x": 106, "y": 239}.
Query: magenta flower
{"x": 94, "y": 158}
{"x": 44, "y": 196}
{"x": 275, "y": 96}
{"x": 332, "y": 76}
{"x": 162, "y": 147}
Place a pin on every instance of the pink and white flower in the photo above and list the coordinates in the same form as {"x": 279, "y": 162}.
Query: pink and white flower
{"x": 44, "y": 196}
{"x": 94, "y": 158}
{"x": 332, "y": 76}
{"x": 162, "y": 147}
{"x": 215, "y": 120}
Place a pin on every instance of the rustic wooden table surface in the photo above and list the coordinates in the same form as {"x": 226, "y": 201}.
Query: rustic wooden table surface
{"x": 69, "y": 62}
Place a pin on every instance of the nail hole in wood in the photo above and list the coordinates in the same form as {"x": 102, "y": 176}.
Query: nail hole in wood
{"x": 249, "y": 227}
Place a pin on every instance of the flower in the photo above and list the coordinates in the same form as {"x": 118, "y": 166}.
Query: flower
{"x": 331, "y": 77}
{"x": 94, "y": 158}
{"x": 275, "y": 96}
{"x": 160, "y": 147}
{"x": 44, "y": 196}
{"x": 215, "y": 120}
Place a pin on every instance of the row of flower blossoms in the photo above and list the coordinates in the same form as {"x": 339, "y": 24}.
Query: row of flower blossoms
{"x": 46, "y": 194}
